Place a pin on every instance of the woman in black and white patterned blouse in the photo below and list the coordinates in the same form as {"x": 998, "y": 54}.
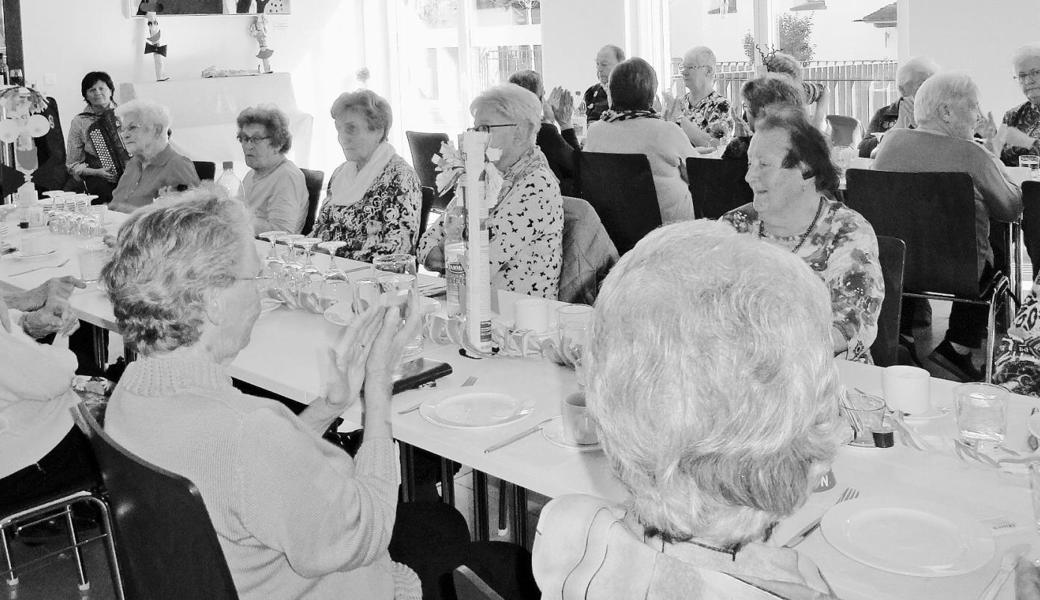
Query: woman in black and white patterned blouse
{"x": 526, "y": 223}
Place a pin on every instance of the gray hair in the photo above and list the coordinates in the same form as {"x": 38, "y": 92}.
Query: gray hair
{"x": 713, "y": 381}
{"x": 371, "y": 105}
{"x": 1025, "y": 52}
{"x": 703, "y": 54}
{"x": 513, "y": 102}
{"x": 167, "y": 257}
{"x": 273, "y": 120}
{"x": 147, "y": 114}
{"x": 530, "y": 81}
{"x": 942, "y": 89}
{"x": 914, "y": 72}
{"x": 619, "y": 54}
{"x": 784, "y": 63}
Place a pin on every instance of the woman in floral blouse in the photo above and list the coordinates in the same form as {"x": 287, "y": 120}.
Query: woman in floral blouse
{"x": 1023, "y": 121}
{"x": 1017, "y": 365}
{"x": 374, "y": 197}
{"x": 790, "y": 172}
{"x": 526, "y": 223}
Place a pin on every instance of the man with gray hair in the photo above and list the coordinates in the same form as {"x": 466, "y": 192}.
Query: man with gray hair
{"x": 596, "y": 100}
{"x": 909, "y": 77}
{"x": 703, "y": 113}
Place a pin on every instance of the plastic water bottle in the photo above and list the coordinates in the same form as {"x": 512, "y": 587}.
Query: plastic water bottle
{"x": 229, "y": 181}
{"x": 455, "y": 259}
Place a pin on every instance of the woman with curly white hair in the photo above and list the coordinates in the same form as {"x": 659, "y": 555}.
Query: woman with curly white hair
{"x": 526, "y": 220}
{"x": 717, "y": 429}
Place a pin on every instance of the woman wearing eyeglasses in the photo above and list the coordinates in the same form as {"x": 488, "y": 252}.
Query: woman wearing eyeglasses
{"x": 1023, "y": 121}
{"x": 274, "y": 189}
{"x": 374, "y": 197}
{"x": 526, "y": 220}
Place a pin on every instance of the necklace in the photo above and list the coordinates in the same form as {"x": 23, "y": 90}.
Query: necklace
{"x": 804, "y": 236}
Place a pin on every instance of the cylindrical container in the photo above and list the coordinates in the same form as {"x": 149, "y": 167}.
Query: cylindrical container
{"x": 455, "y": 273}
{"x": 981, "y": 410}
{"x": 578, "y": 425}
{"x": 907, "y": 389}
{"x": 366, "y": 293}
{"x": 532, "y": 314}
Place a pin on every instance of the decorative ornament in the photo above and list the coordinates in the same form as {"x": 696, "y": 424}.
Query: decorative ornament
{"x": 258, "y": 29}
{"x": 451, "y": 167}
{"x": 363, "y": 75}
{"x": 22, "y": 122}
{"x": 154, "y": 46}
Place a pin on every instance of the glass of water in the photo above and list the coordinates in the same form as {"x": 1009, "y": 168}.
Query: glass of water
{"x": 981, "y": 410}
{"x": 1032, "y": 161}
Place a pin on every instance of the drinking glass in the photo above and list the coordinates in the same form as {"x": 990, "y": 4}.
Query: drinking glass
{"x": 404, "y": 266}
{"x": 572, "y": 324}
{"x": 273, "y": 258}
{"x": 865, "y": 413}
{"x": 1032, "y": 161}
{"x": 306, "y": 265}
{"x": 395, "y": 263}
{"x": 92, "y": 257}
{"x": 981, "y": 410}
{"x": 335, "y": 284}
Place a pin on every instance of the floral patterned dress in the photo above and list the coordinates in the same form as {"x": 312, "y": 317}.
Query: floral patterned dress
{"x": 711, "y": 114}
{"x": 1017, "y": 365}
{"x": 526, "y": 230}
{"x": 842, "y": 250}
{"x": 384, "y": 221}
{"x": 1025, "y": 118}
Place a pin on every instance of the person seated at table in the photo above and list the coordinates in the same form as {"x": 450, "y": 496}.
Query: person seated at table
{"x": 1023, "y": 121}
{"x": 596, "y": 98}
{"x": 947, "y": 113}
{"x": 560, "y": 146}
{"x": 794, "y": 182}
{"x": 274, "y": 188}
{"x": 41, "y": 452}
{"x": 815, "y": 94}
{"x": 703, "y": 113}
{"x": 632, "y": 126}
{"x": 374, "y": 197}
{"x": 154, "y": 166}
{"x": 909, "y": 77}
{"x": 692, "y": 335}
{"x": 81, "y": 158}
{"x": 760, "y": 94}
{"x": 526, "y": 224}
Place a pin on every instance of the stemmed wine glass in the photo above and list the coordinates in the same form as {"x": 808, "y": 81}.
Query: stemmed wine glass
{"x": 310, "y": 277}
{"x": 335, "y": 286}
{"x": 273, "y": 261}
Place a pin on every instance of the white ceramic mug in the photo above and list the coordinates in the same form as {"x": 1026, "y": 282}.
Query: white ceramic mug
{"x": 578, "y": 425}
{"x": 532, "y": 314}
{"x": 907, "y": 389}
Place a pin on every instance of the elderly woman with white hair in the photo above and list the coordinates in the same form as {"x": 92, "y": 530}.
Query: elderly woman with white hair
{"x": 526, "y": 222}
{"x": 899, "y": 114}
{"x": 1023, "y": 121}
{"x": 274, "y": 189}
{"x": 374, "y": 197}
{"x": 947, "y": 114}
{"x": 154, "y": 166}
{"x": 678, "y": 388}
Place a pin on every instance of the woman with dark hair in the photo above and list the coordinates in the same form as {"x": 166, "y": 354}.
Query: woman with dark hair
{"x": 631, "y": 126}
{"x": 794, "y": 182}
{"x": 274, "y": 189}
{"x": 759, "y": 94}
{"x": 88, "y": 171}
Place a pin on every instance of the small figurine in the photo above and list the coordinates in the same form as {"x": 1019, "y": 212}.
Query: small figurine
{"x": 258, "y": 29}
{"x": 155, "y": 47}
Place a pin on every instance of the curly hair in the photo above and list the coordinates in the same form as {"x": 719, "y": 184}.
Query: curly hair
{"x": 632, "y": 85}
{"x": 374, "y": 107}
{"x": 809, "y": 148}
{"x": 167, "y": 257}
{"x": 274, "y": 121}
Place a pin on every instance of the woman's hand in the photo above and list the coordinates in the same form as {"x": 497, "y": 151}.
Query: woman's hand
{"x": 562, "y": 104}
{"x": 343, "y": 365}
{"x": 987, "y": 128}
{"x": 396, "y": 331}
{"x": 53, "y": 293}
{"x": 108, "y": 175}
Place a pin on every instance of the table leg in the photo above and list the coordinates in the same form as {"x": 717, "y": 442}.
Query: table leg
{"x": 448, "y": 481}
{"x": 480, "y": 506}
{"x": 520, "y": 516}
{"x": 99, "y": 337}
{"x": 407, "y": 472}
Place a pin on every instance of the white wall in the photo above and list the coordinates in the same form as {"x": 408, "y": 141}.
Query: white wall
{"x": 322, "y": 44}
{"x": 572, "y": 32}
{"x": 976, "y": 37}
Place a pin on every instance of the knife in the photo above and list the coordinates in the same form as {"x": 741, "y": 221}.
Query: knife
{"x": 804, "y": 533}
{"x": 516, "y": 437}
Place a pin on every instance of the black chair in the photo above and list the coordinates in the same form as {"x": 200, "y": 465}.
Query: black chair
{"x": 424, "y": 146}
{"x": 469, "y": 585}
{"x": 313, "y": 180}
{"x": 205, "y": 170}
{"x": 167, "y": 547}
{"x": 429, "y": 196}
{"x": 1031, "y": 221}
{"x": 843, "y": 129}
{"x": 934, "y": 214}
{"x": 892, "y": 256}
{"x": 717, "y": 186}
{"x": 620, "y": 187}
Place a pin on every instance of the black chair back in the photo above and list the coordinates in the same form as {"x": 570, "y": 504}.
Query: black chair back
{"x": 424, "y": 146}
{"x": 205, "y": 170}
{"x": 1031, "y": 221}
{"x": 313, "y": 180}
{"x": 429, "y": 196}
{"x": 717, "y": 186}
{"x": 469, "y": 585}
{"x": 843, "y": 129}
{"x": 166, "y": 544}
{"x": 892, "y": 256}
{"x": 934, "y": 214}
{"x": 620, "y": 187}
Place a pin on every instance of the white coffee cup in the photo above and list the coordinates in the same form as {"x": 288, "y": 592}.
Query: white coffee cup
{"x": 532, "y": 314}
{"x": 907, "y": 389}
{"x": 578, "y": 425}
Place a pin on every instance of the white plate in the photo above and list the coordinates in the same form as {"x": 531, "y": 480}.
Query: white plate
{"x": 907, "y": 536}
{"x": 553, "y": 431}
{"x": 340, "y": 314}
{"x": 475, "y": 407}
{"x": 19, "y": 255}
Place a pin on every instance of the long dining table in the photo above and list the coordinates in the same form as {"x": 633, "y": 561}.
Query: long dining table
{"x": 281, "y": 358}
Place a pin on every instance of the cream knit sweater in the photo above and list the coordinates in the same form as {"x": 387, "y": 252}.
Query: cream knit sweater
{"x": 296, "y": 517}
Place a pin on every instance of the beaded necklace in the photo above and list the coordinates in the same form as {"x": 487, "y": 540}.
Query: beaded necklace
{"x": 804, "y": 236}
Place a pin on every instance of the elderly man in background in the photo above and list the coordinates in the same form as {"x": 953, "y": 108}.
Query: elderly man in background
{"x": 900, "y": 113}
{"x": 947, "y": 113}
{"x": 274, "y": 189}
{"x": 677, "y": 388}
{"x": 1023, "y": 121}
{"x": 596, "y": 99}
{"x": 703, "y": 113}
{"x": 155, "y": 167}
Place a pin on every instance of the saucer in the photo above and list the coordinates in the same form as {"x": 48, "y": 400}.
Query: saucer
{"x": 22, "y": 256}
{"x": 553, "y": 431}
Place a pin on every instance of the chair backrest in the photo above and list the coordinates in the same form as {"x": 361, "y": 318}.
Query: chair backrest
{"x": 165, "y": 542}
{"x": 469, "y": 585}
{"x": 934, "y": 214}
{"x": 892, "y": 256}
{"x": 313, "y": 180}
{"x": 429, "y": 196}
{"x": 717, "y": 186}
{"x": 621, "y": 189}
{"x": 424, "y": 146}
{"x": 205, "y": 170}
{"x": 588, "y": 253}
{"x": 843, "y": 129}
{"x": 1031, "y": 220}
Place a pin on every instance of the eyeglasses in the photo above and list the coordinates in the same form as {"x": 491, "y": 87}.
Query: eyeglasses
{"x": 254, "y": 140}
{"x": 685, "y": 68}
{"x": 256, "y": 279}
{"x": 1034, "y": 74}
{"x": 488, "y": 128}
{"x": 131, "y": 128}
